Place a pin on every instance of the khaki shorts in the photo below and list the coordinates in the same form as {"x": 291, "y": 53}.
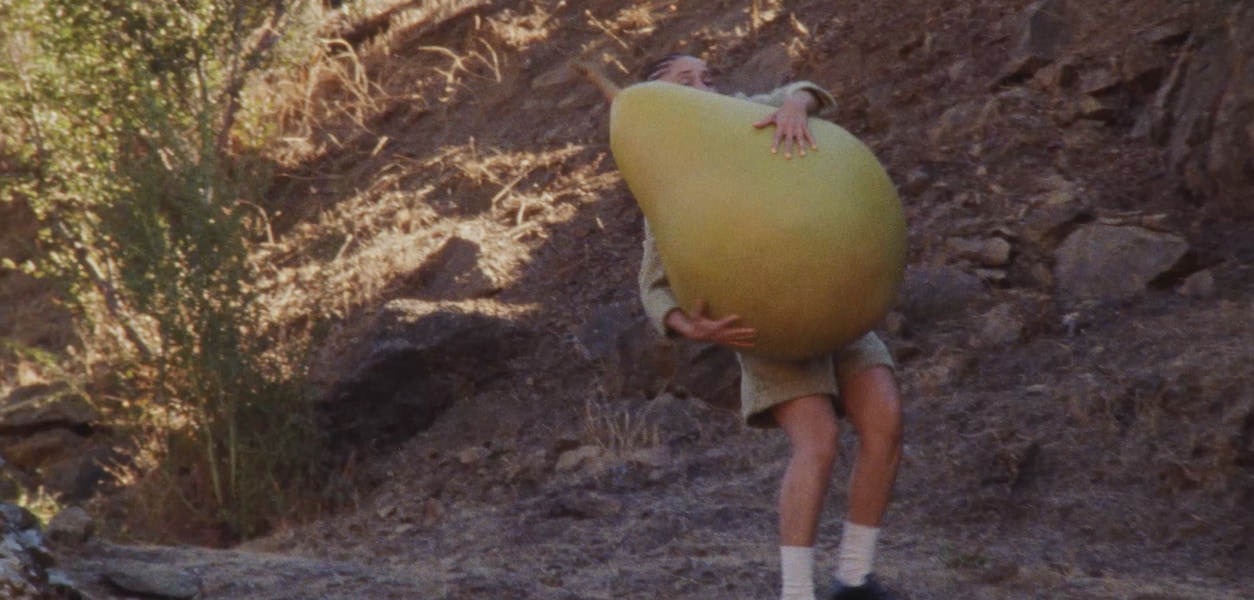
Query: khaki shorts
{"x": 765, "y": 383}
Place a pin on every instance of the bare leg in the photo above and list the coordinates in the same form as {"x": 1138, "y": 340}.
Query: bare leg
{"x": 810, "y": 424}
{"x": 873, "y": 405}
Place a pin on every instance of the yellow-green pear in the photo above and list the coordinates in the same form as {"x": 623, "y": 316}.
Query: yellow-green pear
{"x": 809, "y": 251}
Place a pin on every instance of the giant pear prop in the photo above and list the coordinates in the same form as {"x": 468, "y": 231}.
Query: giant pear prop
{"x": 809, "y": 251}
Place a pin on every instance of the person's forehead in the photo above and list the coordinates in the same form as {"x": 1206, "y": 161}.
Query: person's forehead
{"x": 688, "y": 63}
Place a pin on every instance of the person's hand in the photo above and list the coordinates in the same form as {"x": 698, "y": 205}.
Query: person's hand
{"x": 698, "y": 326}
{"x": 791, "y": 127}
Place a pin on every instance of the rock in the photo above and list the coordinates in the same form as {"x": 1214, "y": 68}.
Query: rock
{"x": 16, "y": 518}
{"x": 44, "y": 406}
{"x": 64, "y": 586}
{"x": 1171, "y": 32}
{"x": 578, "y": 458}
{"x": 71, "y": 526}
{"x": 10, "y": 489}
{"x": 76, "y": 478}
{"x": 473, "y": 455}
{"x": 957, "y": 120}
{"x": 1054, "y": 78}
{"x": 1142, "y": 68}
{"x": 1100, "y": 82}
{"x": 32, "y": 540}
{"x": 1048, "y": 216}
{"x": 633, "y": 360}
{"x": 1000, "y": 326}
{"x": 1111, "y": 262}
{"x": 154, "y": 580}
{"x": 992, "y": 276}
{"x": 999, "y": 572}
{"x": 942, "y": 371}
{"x": 710, "y": 373}
{"x": 675, "y": 419}
{"x": 13, "y": 584}
{"x": 602, "y": 334}
{"x": 1105, "y": 98}
{"x": 1107, "y": 109}
{"x": 656, "y": 457}
{"x": 934, "y": 294}
{"x": 453, "y": 273}
{"x": 416, "y": 362}
{"x": 1047, "y": 31}
{"x": 992, "y": 252}
{"x": 1198, "y": 285}
{"x": 25, "y": 559}
{"x": 916, "y": 182}
{"x": 1204, "y": 114}
{"x": 585, "y": 505}
{"x": 896, "y": 325}
{"x": 33, "y": 451}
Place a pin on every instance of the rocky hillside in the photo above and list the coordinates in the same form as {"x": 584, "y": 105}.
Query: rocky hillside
{"x": 1074, "y": 332}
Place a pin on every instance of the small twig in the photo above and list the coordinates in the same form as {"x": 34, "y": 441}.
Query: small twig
{"x": 265, "y": 219}
{"x": 605, "y": 29}
{"x": 607, "y": 87}
{"x": 509, "y": 186}
{"x": 347, "y": 241}
{"x": 496, "y": 60}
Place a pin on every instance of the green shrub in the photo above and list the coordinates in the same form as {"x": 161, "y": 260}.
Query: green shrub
{"x": 120, "y": 117}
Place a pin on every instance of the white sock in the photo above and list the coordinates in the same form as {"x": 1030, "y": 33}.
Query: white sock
{"x": 856, "y": 551}
{"x": 797, "y": 569}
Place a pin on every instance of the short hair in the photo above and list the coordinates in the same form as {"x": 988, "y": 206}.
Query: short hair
{"x": 655, "y": 69}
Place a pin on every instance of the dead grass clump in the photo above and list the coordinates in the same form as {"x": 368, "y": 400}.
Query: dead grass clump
{"x": 617, "y": 430}
{"x": 521, "y": 30}
{"x": 321, "y": 102}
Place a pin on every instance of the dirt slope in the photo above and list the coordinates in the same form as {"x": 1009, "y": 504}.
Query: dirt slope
{"x": 1102, "y": 450}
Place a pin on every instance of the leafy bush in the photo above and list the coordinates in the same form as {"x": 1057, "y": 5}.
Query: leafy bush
{"x": 120, "y": 121}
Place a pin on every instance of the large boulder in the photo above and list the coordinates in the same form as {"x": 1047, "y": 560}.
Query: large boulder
{"x": 1114, "y": 262}
{"x": 1204, "y": 113}
{"x": 1047, "y": 30}
{"x": 936, "y": 294}
{"x": 154, "y": 581}
{"x": 414, "y": 366}
{"x": 44, "y": 406}
{"x": 634, "y": 361}
{"x": 27, "y": 567}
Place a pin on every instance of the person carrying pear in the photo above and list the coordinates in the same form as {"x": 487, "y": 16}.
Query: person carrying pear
{"x": 803, "y": 398}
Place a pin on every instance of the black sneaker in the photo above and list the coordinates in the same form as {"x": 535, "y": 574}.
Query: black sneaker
{"x": 870, "y": 590}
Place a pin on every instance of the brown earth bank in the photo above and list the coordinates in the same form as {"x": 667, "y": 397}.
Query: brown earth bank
{"x": 1074, "y": 334}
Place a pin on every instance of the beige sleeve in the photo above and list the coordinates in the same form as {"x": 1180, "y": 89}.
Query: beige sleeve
{"x": 776, "y": 97}
{"x": 655, "y": 289}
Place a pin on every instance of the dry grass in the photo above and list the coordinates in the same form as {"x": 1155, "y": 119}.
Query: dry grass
{"x": 618, "y": 430}
{"x": 386, "y": 233}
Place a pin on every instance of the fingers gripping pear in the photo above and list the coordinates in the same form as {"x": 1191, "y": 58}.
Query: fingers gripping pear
{"x": 809, "y": 251}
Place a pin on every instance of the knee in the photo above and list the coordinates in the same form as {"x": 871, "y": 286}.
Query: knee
{"x": 820, "y": 444}
{"x": 884, "y": 436}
